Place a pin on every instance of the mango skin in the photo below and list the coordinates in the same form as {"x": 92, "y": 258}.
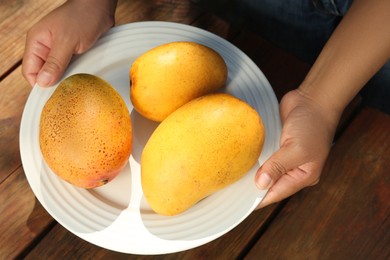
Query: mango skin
{"x": 204, "y": 146}
{"x": 85, "y": 131}
{"x": 168, "y": 76}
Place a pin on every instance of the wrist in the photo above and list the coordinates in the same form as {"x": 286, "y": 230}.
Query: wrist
{"x": 100, "y": 12}
{"x": 323, "y": 97}
{"x": 322, "y": 102}
{"x": 105, "y": 6}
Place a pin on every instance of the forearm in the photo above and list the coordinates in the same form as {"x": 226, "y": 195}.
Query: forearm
{"x": 358, "y": 48}
{"x": 107, "y": 7}
{"x": 94, "y": 17}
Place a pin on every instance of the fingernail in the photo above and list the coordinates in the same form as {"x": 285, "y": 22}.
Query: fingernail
{"x": 264, "y": 181}
{"x": 44, "y": 79}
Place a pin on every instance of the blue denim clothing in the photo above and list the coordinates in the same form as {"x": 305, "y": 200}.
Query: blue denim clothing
{"x": 301, "y": 27}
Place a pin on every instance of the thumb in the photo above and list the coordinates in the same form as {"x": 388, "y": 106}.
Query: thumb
{"x": 288, "y": 157}
{"x": 55, "y": 65}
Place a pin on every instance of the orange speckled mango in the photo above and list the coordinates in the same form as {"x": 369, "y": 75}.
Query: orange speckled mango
{"x": 85, "y": 131}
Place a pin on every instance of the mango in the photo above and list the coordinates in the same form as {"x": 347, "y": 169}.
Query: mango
{"x": 85, "y": 131}
{"x": 202, "y": 147}
{"x": 169, "y": 75}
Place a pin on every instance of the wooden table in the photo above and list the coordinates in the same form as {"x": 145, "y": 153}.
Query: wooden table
{"x": 345, "y": 216}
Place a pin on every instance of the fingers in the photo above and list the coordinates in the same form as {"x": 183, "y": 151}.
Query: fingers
{"x": 55, "y": 65}
{"x": 45, "y": 59}
{"x": 288, "y": 157}
{"x": 33, "y": 60}
{"x": 286, "y": 172}
{"x": 287, "y": 185}
{"x": 305, "y": 143}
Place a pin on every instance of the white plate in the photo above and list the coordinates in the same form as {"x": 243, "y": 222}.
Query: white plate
{"x": 116, "y": 216}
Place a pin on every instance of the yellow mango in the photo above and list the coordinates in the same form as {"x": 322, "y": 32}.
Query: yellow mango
{"x": 202, "y": 147}
{"x": 168, "y": 76}
{"x": 85, "y": 131}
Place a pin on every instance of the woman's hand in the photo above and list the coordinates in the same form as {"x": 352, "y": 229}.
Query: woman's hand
{"x": 305, "y": 142}
{"x": 70, "y": 29}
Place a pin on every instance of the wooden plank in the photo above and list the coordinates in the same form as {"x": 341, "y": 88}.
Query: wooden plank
{"x": 14, "y": 93}
{"x": 14, "y": 25}
{"x": 156, "y": 10}
{"x": 22, "y": 217}
{"x": 346, "y": 216}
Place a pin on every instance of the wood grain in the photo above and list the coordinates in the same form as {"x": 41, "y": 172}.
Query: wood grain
{"x": 346, "y": 216}
{"x": 14, "y": 92}
{"x": 22, "y": 217}
{"x": 182, "y": 11}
